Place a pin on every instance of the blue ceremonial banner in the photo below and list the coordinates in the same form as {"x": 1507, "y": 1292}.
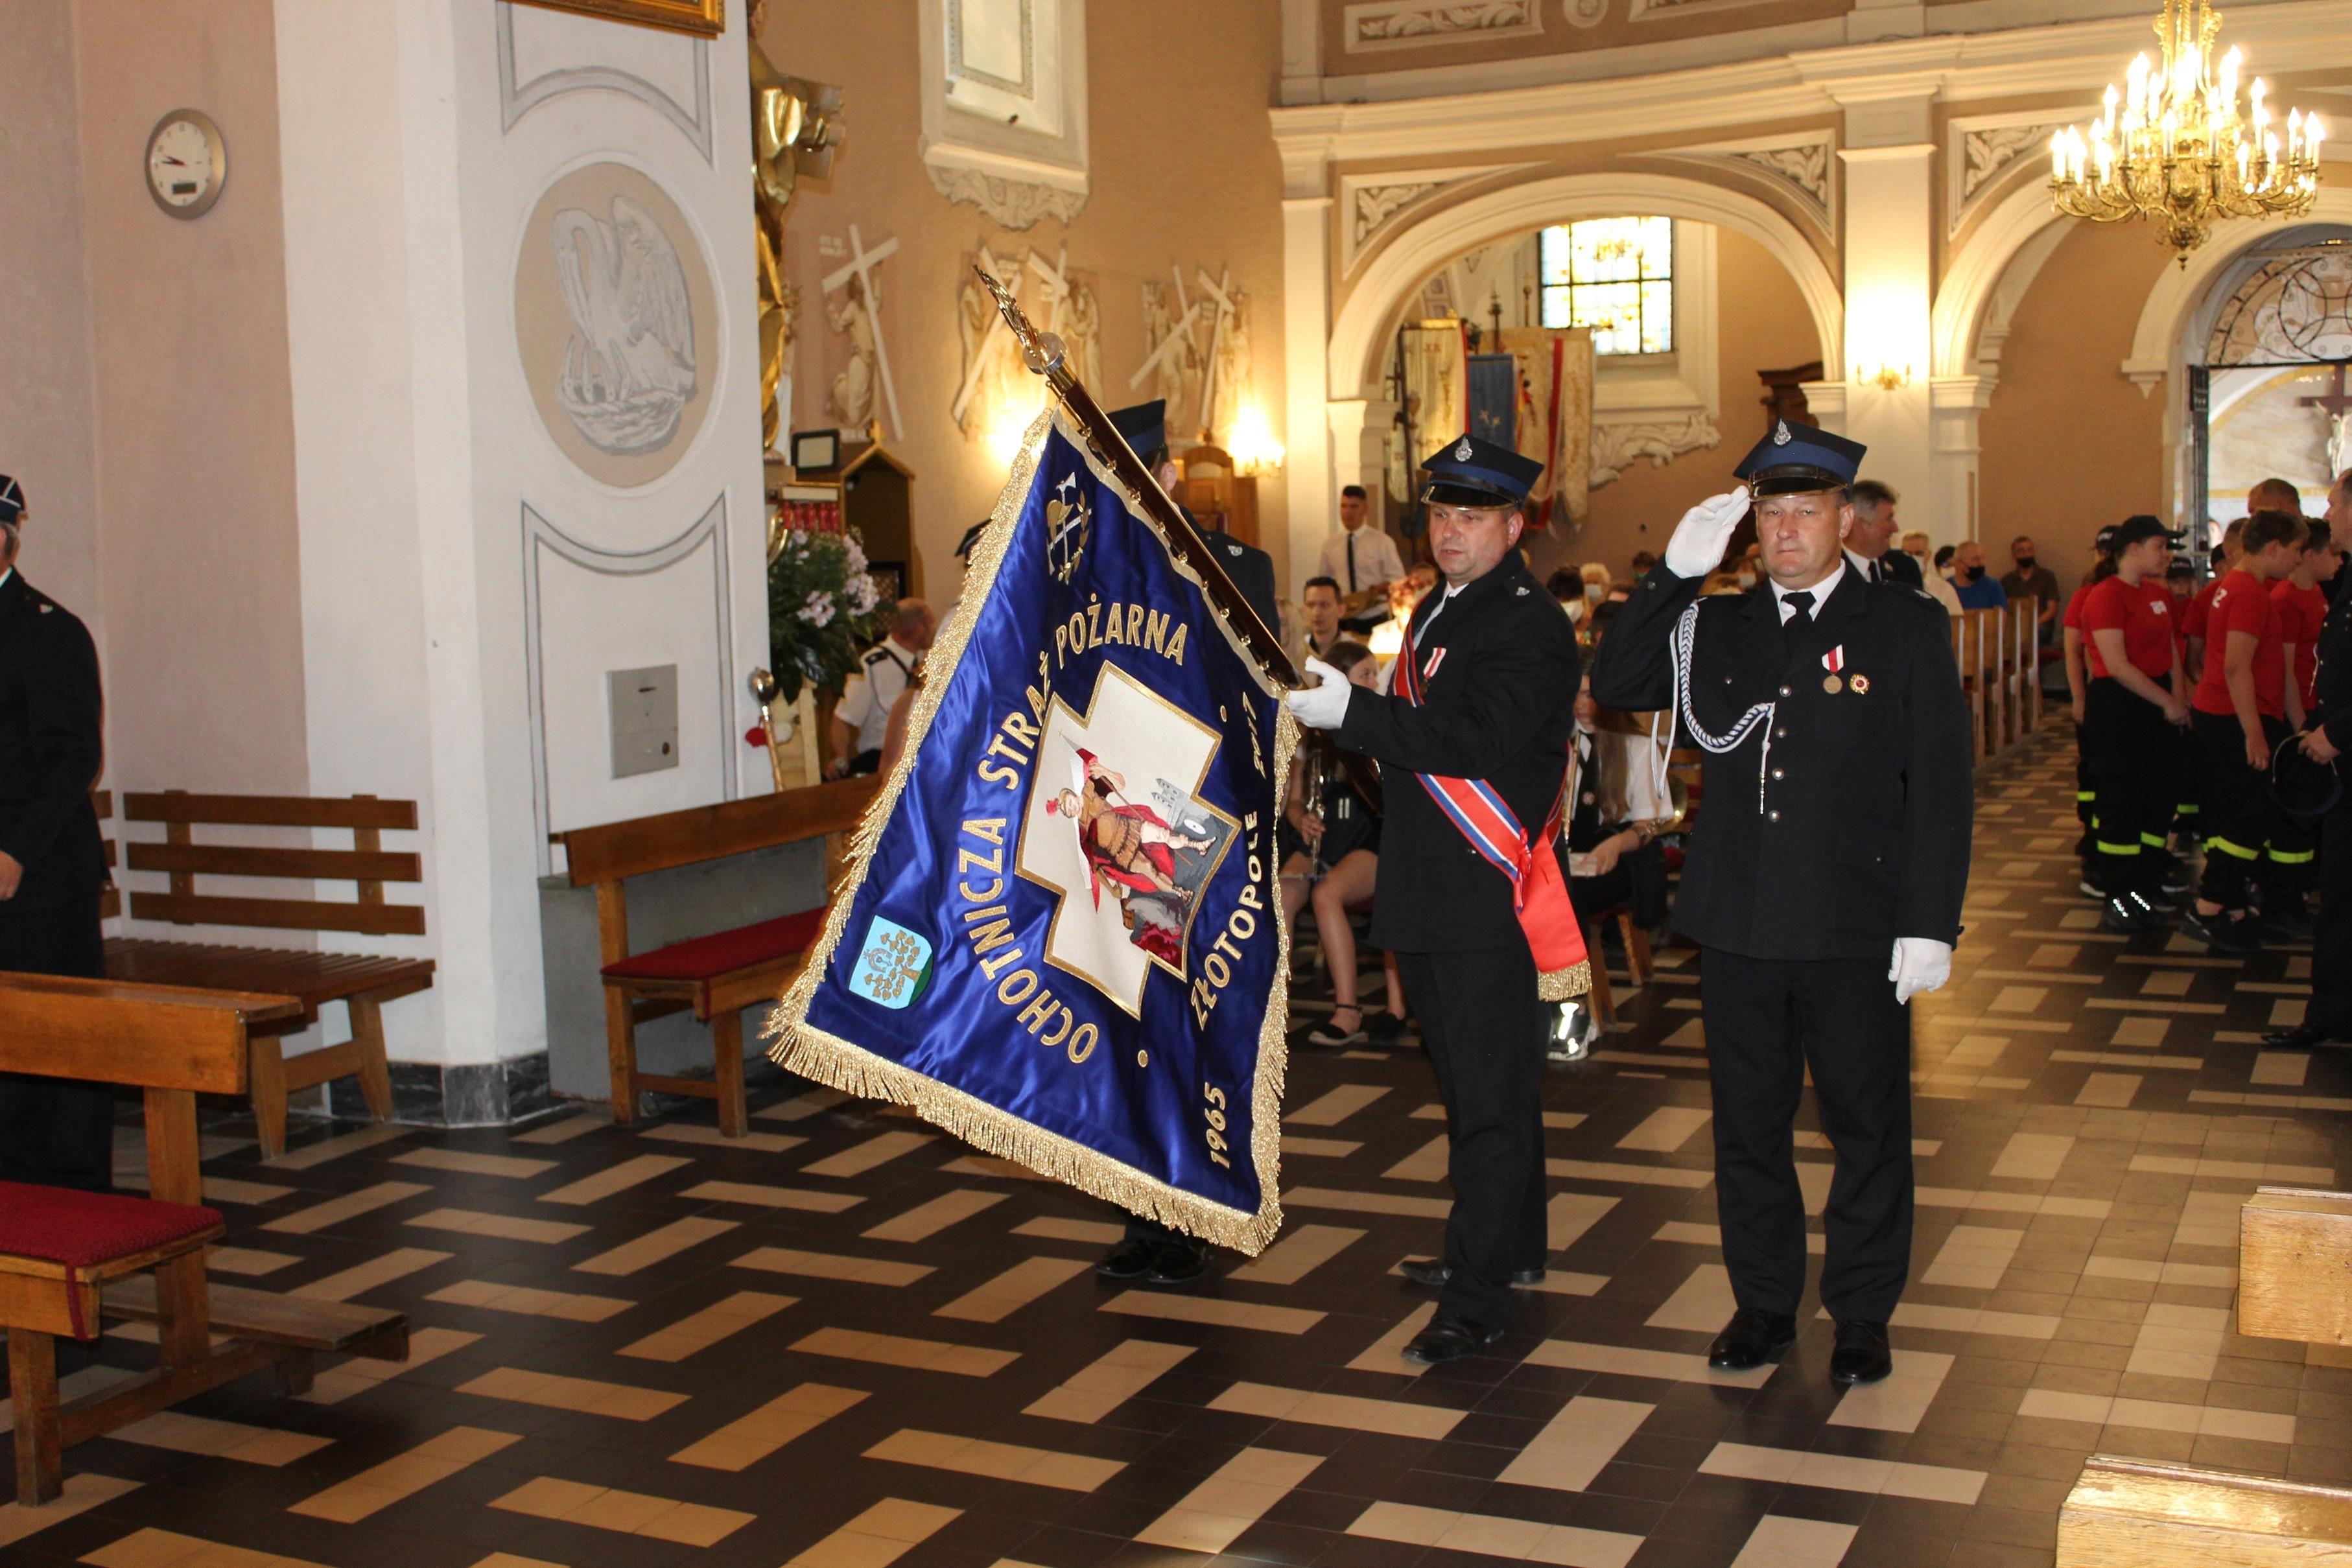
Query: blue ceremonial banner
{"x": 1060, "y": 937}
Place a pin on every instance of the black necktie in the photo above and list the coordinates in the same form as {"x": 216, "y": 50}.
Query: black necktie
{"x": 1800, "y": 615}
{"x": 1875, "y": 575}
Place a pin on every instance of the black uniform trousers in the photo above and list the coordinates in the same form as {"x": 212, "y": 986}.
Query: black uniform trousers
{"x": 1485, "y": 1028}
{"x": 2331, "y": 942}
{"x": 2240, "y": 817}
{"x": 1766, "y": 1019}
{"x": 56, "y": 1131}
{"x": 2133, "y": 752}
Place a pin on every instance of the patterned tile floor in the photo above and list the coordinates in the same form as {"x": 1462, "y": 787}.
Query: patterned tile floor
{"x": 845, "y": 1342}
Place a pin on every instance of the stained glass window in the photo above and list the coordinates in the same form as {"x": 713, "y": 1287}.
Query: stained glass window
{"x": 1615, "y": 275}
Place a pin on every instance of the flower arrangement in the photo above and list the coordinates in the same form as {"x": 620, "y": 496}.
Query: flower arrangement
{"x": 820, "y": 608}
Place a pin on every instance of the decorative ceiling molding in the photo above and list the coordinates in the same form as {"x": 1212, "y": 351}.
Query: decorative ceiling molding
{"x": 1585, "y": 13}
{"x": 1666, "y": 10}
{"x": 517, "y": 98}
{"x": 1800, "y": 165}
{"x": 1616, "y": 446}
{"x": 1011, "y": 204}
{"x": 1421, "y": 23}
{"x": 1982, "y": 150}
{"x": 1371, "y": 203}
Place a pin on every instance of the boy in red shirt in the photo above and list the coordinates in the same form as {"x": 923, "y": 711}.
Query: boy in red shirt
{"x": 2240, "y": 715}
{"x": 2071, "y": 642}
{"x": 2132, "y": 720}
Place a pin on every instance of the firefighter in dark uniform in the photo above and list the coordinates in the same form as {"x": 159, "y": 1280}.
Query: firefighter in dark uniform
{"x": 2328, "y": 735}
{"x": 1150, "y": 1251}
{"x": 1835, "y": 837}
{"x": 52, "y": 862}
{"x": 1496, "y": 668}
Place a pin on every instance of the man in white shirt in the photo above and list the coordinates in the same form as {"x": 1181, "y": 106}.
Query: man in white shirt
{"x": 1358, "y": 557}
{"x": 862, "y": 719}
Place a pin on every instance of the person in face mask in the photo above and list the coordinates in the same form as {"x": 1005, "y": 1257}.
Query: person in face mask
{"x": 2035, "y": 580}
{"x": 1977, "y": 590}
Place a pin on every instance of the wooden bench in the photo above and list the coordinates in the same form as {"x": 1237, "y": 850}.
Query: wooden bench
{"x": 67, "y": 1257}
{"x": 2295, "y": 1266}
{"x": 2137, "y": 1513}
{"x": 716, "y": 976}
{"x": 313, "y": 978}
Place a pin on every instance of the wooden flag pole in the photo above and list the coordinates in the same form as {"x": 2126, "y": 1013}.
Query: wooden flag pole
{"x": 1043, "y": 353}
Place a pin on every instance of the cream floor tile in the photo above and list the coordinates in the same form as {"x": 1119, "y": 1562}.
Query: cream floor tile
{"x": 1779, "y": 1540}
{"x": 1319, "y": 1148}
{"x": 83, "y": 1491}
{"x": 619, "y": 1177}
{"x": 712, "y": 1138}
{"x": 357, "y": 1375}
{"x": 1931, "y": 1483}
{"x": 800, "y": 1107}
{"x": 1645, "y": 1176}
{"x": 998, "y": 1461}
{"x": 185, "y": 1434}
{"x": 1302, "y": 1249}
{"x": 831, "y": 1265}
{"x": 1088, "y": 1232}
{"x": 2157, "y": 1415}
{"x": 1366, "y": 1202}
{"x": 859, "y": 1158}
{"x": 1972, "y": 1320}
{"x": 564, "y": 1129}
{"x": 1426, "y": 1163}
{"x": 1576, "y": 1444}
{"x": 360, "y": 1278}
{"x": 2209, "y": 1276}
{"x": 1214, "y": 1513}
{"x": 585, "y": 1395}
{"x": 1974, "y": 1257}
{"x": 1666, "y": 1129}
{"x": 927, "y": 1220}
{"x": 2034, "y": 1156}
{"x": 879, "y": 1536}
{"x": 2110, "y": 1091}
{"x": 152, "y": 1548}
{"x": 403, "y": 1475}
{"x": 1206, "y": 1309}
{"x": 2146, "y": 1034}
{"x": 745, "y": 1442}
{"x": 1897, "y": 1402}
{"x": 2236, "y": 1170}
{"x": 1490, "y": 1535}
{"x": 759, "y": 1196}
{"x": 1386, "y": 1353}
{"x": 1702, "y": 1303}
{"x": 528, "y": 1302}
{"x": 245, "y": 1263}
{"x": 351, "y": 1206}
{"x": 893, "y": 1350}
{"x": 626, "y": 1512}
{"x": 701, "y": 1329}
{"x": 311, "y": 1156}
{"x": 1108, "y": 1381}
{"x": 1630, "y": 1362}
{"x": 995, "y": 1299}
{"x": 990, "y": 1166}
{"x": 232, "y": 1189}
{"x": 658, "y": 1245}
{"x": 1347, "y": 1412}
{"x": 512, "y": 1168}
{"x": 1334, "y": 1106}
{"x": 1569, "y": 1215}
{"x": 504, "y": 1227}
{"x": 2013, "y": 1203}
{"x": 2179, "y": 1341}
{"x": 2281, "y": 1069}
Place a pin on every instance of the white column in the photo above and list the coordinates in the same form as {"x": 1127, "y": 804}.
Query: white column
{"x": 1957, "y": 404}
{"x": 1889, "y": 276}
{"x": 1345, "y": 418}
{"x": 1305, "y": 335}
{"x": 1826, "y": 401}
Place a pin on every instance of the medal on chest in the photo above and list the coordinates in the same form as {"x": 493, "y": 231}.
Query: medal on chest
{"x": 1833, "y": 662}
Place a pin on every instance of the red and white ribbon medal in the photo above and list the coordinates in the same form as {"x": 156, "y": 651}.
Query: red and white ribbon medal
{"x": 1833, "y": 661}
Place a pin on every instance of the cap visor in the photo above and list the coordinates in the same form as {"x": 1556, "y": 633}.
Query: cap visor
{"x": 1794, "y": 482}
{"x": 1449, "y": 493}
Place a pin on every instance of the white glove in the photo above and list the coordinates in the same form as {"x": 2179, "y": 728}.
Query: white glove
{"x": 1705, "y": 532}
{"x": 1921, "y": 963}
{"x": 1323, "y": 706}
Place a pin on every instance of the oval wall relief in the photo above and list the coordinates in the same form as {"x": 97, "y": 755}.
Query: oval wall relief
{"x": 616, "y": 321}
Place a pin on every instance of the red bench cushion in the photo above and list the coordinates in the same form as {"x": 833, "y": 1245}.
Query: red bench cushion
{"x": 84, "y": 1231}
{"x": 723, "y": 951}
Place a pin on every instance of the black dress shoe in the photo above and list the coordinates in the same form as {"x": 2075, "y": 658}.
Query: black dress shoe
{"x": 1861, "y": 1355}
{"x": 1433, "y": 1272}
{"x": 1178, "y": 1262}
{"x": 2304, "y": 1036}
{"x": 1751, "y": 1338}
{"x": 1131, "y": 1259}
{"x": 1449, "y": 1338}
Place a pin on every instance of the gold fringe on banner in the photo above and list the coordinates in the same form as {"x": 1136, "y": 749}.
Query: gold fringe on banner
{"x": 814, "y": 1053}
{"x": 1562, "y": 984}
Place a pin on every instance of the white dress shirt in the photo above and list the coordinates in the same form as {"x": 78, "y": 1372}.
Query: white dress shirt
{"x": 1358, "y": 558}
{"x": 1820, "y": 591}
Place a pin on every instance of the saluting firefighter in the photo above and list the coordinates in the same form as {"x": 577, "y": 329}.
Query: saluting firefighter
{"x": 1469, "y": 894}
{"x": 1835, "y": 837}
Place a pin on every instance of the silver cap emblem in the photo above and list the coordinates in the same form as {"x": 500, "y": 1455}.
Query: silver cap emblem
{"x": 1781, "y": 436}
{"x": 1462, "y": 453}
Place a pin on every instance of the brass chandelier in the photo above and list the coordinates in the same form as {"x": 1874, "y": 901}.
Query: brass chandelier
{"x": 2177, "y": 148}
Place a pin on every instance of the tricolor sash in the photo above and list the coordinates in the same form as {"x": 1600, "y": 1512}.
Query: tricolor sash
{"x": 1539, "y": 889}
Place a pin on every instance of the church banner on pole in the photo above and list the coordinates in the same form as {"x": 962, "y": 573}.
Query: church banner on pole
{"x": 1060, "y": 934}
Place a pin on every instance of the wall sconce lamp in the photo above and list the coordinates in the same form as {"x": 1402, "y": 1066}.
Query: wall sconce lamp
{"x": 1884, "y": 376}
{"x": 1251, "y": 443}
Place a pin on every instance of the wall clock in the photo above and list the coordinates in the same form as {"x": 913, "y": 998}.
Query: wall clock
{"x": 187, "y": 164}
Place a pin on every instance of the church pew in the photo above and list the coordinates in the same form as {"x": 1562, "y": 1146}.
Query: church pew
{"x": 2294, "y": 1265}
{"x": 2138, "y": 1513}
{"x": 715, "y": 975}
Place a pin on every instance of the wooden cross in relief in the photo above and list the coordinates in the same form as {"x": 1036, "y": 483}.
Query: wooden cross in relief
{"x": 860, "y": 266}
{"x": 987, "y": 262}
{"x": 1218, "y": 291}
{"x": 1180, "y": 333}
